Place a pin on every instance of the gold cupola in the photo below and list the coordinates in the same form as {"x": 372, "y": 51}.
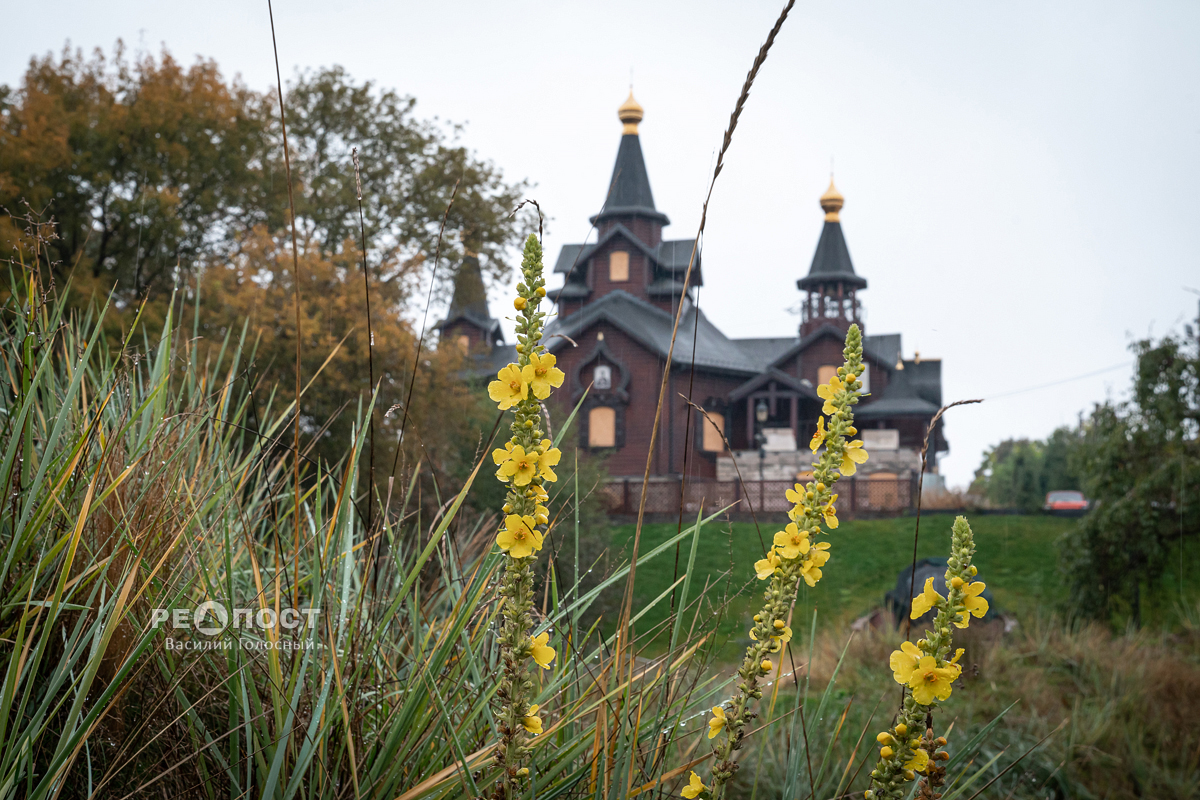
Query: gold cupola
{"x": 630, "y": 113}
{"x": 832, "y": 202}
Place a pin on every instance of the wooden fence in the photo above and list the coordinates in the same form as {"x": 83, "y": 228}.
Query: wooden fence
{"x": 856, "y": 496}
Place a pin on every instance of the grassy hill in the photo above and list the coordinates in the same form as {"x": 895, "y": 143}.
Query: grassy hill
{"x": 1017, "y": 558}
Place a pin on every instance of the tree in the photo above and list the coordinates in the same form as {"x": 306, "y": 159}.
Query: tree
{"x": 1017, "y": 473}
{"x": 256, "y": 291}
{"x": 143, "y": 164}
{"x": 1140, "y": 460}
{"x": 153, "y": 171}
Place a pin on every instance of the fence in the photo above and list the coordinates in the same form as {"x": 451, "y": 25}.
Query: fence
{"x": 856, "y": 496}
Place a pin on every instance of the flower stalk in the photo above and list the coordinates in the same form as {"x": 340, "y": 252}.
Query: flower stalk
{"x": 794, "y": 556}
{"x": 526, "y": 463}
{"x": 928, "y": 672}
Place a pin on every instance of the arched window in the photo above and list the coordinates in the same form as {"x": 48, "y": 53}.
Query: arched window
{"x": 602, "y": 427}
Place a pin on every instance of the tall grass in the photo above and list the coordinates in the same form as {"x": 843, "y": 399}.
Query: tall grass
{"x": 140, "y": 478}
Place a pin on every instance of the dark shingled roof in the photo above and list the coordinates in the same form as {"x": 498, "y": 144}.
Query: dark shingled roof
{"x": 651, "y": 326}
{"x": 832, "y": 261}
{"x": 903, "y": 396}
{"x": 470, "y": 301}
{"x": 762, "y": 352}
{"x": 883, "y": 346}
{"x": 629, "y": 189}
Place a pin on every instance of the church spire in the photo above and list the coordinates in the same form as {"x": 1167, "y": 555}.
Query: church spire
{"x": 629, "y": 192}
{"x": 831, "y": 282}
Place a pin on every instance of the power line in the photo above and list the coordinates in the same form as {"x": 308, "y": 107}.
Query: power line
{"x": 1058, "y": 383}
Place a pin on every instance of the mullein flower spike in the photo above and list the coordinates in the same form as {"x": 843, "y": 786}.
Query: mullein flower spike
{"x": 928, "y": 671}
{"x": 795, "y": 555}
{"x": 525, "y": 464}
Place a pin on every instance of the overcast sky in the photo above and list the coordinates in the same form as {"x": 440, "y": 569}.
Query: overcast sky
{"x": 1020, "y": 177}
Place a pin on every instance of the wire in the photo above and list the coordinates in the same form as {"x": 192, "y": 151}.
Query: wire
{"x": 1057, "y": 383}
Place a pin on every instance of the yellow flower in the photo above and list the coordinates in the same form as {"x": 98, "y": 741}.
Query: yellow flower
{"x": 853, "y": 454}
{"x": 819, "y": 437}
{"x": 509, "y": 388}
{"x": 926, "y": 600}
{"x": 542, "y": 653}
{"x": 783, "y": 636}
{"x": 520, "y": 537}
{"x": 542, "y": 375}
{"x": 550, "y": 456}
{"x": 929, "y": 680}
{"x": 694, "y": 788}
{"x": 918, "y": 762}
{"x": 811, "y": 573}
{"x": 531, "y": 721}
{"x": 904, "y": 661}
{"x": 791, "y": 541}
{"x": 819, "y": 554}
{"x": 517, "y": 465}
{"x": 974, "y": 603}
{"x": 830, "y": 513}
{"x": 541, "y": 515}
{"x": 828, "y": 391}
{"x": 717, "y": 723}
{"x": 539, "y": 494}
{"x": 765, "y": 567}
{"x": 795, "y": 495}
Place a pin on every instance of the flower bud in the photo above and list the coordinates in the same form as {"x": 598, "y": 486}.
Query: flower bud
{"x": 886, "y": 752}
{"x": 940, "y": 741}
{"x": 910, "y": 775}
{"x": 884, "y": 738}
{"x": 956, "y": 582}
{"x": 972, "y": 570}
{"x": 942, "y": 755}
{"x": 766, "y": 665}
{"x": 901, "y": 729}
{"x": 519, "y": 303}
{"x": 779, "y": 625}
{"x": 523, "y": 772}
{"x": 541, "y": 291}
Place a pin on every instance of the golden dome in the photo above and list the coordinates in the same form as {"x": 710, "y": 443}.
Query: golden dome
{"x": 832, "y": 201}
{"x": 630, "y": 113}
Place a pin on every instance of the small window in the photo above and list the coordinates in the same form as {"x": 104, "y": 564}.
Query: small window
{"x": 464, "y": 343}
{"x": 866, "y": 380}
{"x": 618, "y": 266}
{"x": 602, "y": 427}
{"x": 714, "y": 429}
{"x": 602, "y": 377}
{"x": 826, "y": 372}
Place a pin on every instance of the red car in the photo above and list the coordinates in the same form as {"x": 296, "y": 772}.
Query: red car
{"x": 1066, "y": 500}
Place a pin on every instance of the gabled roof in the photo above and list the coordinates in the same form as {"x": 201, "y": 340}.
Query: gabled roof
{"x": 629, "y": 188}
{"x": 672, "y": 255}
{"x": 883, "y": 348}
{"x": 831, "y": 262}
{"x": 772, "y": 374}
{"x": 651, "y": 327}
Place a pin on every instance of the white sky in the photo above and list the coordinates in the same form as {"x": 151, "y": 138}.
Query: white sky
{"x": 1020, "y": 177}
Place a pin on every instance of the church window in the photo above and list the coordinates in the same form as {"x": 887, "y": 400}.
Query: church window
{"x": 464, "y": 343}
{"x": 602, "y": 427}
{"x": 618, "y": 266}
{"x": 714, "y": 428}
{"x": 826, "y": 372}
{"x": 602, "y": 377}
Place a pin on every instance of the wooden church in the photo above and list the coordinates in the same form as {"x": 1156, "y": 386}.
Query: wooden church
{"x": 612, "y": 332}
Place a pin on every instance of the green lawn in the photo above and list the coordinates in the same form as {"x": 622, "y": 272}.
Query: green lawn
{"x": 1016, "y": 558}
